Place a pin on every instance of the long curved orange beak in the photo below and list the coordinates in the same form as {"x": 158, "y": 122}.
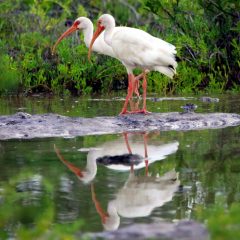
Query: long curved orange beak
{"x": 98, "y": 206}
{"x": 99, "y": 30}
{"x": 72, "y": 29}
{"x": 77, "y": 171}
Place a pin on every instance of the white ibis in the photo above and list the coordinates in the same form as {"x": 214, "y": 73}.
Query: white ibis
{"x": 136, "y": 49}
{"x": 139, "y": 196}
{"x": 120, "y": 155}
{"x": 85, "y": 24}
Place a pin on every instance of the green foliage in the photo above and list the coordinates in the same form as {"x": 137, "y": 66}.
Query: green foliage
{"x": 41, "y": 211}
{"x": 228, "y": 219}
{"x": 9, "y": 76}
{"x": 206, "y": 34}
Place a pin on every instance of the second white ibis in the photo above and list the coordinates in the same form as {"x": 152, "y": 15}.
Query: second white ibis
{"x": 136, "y": 49}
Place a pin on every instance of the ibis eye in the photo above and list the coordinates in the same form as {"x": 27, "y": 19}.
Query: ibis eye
{"x": 68, "y": 23}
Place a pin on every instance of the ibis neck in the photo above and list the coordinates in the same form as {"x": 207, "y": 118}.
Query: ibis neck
{"x": 88, "y": 33}
{"x": 109, "y": 33}
{"x": 113, "y": 221}
{"x": 91, "y": 169}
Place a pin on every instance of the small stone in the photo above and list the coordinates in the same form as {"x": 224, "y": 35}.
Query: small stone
{"x": 209, "y": 99}
{"x": 189, "y": 107}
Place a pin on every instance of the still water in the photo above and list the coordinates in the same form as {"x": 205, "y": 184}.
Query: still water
{"x": 102, "y": 182}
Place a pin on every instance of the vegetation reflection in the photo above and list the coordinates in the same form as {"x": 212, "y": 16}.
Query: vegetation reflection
{"x": 38, "y": 192}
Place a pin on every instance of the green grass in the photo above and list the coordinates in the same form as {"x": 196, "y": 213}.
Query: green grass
{"x": 209, "y": 60}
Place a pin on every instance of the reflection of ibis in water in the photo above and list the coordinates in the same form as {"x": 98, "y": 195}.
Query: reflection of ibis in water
{"x": 138, "y": 197}
{"x": 121, "y": 155}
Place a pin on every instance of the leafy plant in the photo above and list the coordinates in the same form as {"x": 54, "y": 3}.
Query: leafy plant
{"x": 9, "y": 75}
{"x": 206, "y": 34}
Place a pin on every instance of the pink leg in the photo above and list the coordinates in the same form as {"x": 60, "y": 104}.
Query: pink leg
{"x": 146, "y": 167}
{"x": 144, "y": 91}
{"x": 144, "y": 85}
{"x": 131, "y": 84}
{"x": 137, "y": 78}
{"x": 137, "y": 85}
{"x": 136, "y": 88}
{"x": 125, "y": 134}
{"x": 134, "y": 105}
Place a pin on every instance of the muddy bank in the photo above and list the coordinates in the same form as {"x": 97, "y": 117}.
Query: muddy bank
{"x": 25, "y": 126}
{"x": 183, "y": 230}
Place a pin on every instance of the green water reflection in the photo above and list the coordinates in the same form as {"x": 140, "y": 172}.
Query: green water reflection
{"x": 41, "y": 195}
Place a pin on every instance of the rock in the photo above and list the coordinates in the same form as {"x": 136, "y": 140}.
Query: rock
{"x": 189, "y": 107}
{"x": 209, "y": 99}
{"x": 183, "y": 230}
{"x": 26, "y": 126}
{"x": 156, "y": 99}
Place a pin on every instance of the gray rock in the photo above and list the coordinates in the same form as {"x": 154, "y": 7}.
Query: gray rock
{"x": 189, "y": 107}
{"x": 156, "y": 99}
{"x": 26, "y": 126}
{"x": 183, "y": 230}
{"x": 209, "y": 99}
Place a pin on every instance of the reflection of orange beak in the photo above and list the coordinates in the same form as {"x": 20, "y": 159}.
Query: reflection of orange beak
{"x": 98, "y": 207}
{"x": 73, "y": 28}
{"x": 77, "y": 171}
{"x": 100, "y": 28}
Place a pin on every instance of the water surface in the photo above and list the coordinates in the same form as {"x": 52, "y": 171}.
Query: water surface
{"x": 187, "y": 171}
